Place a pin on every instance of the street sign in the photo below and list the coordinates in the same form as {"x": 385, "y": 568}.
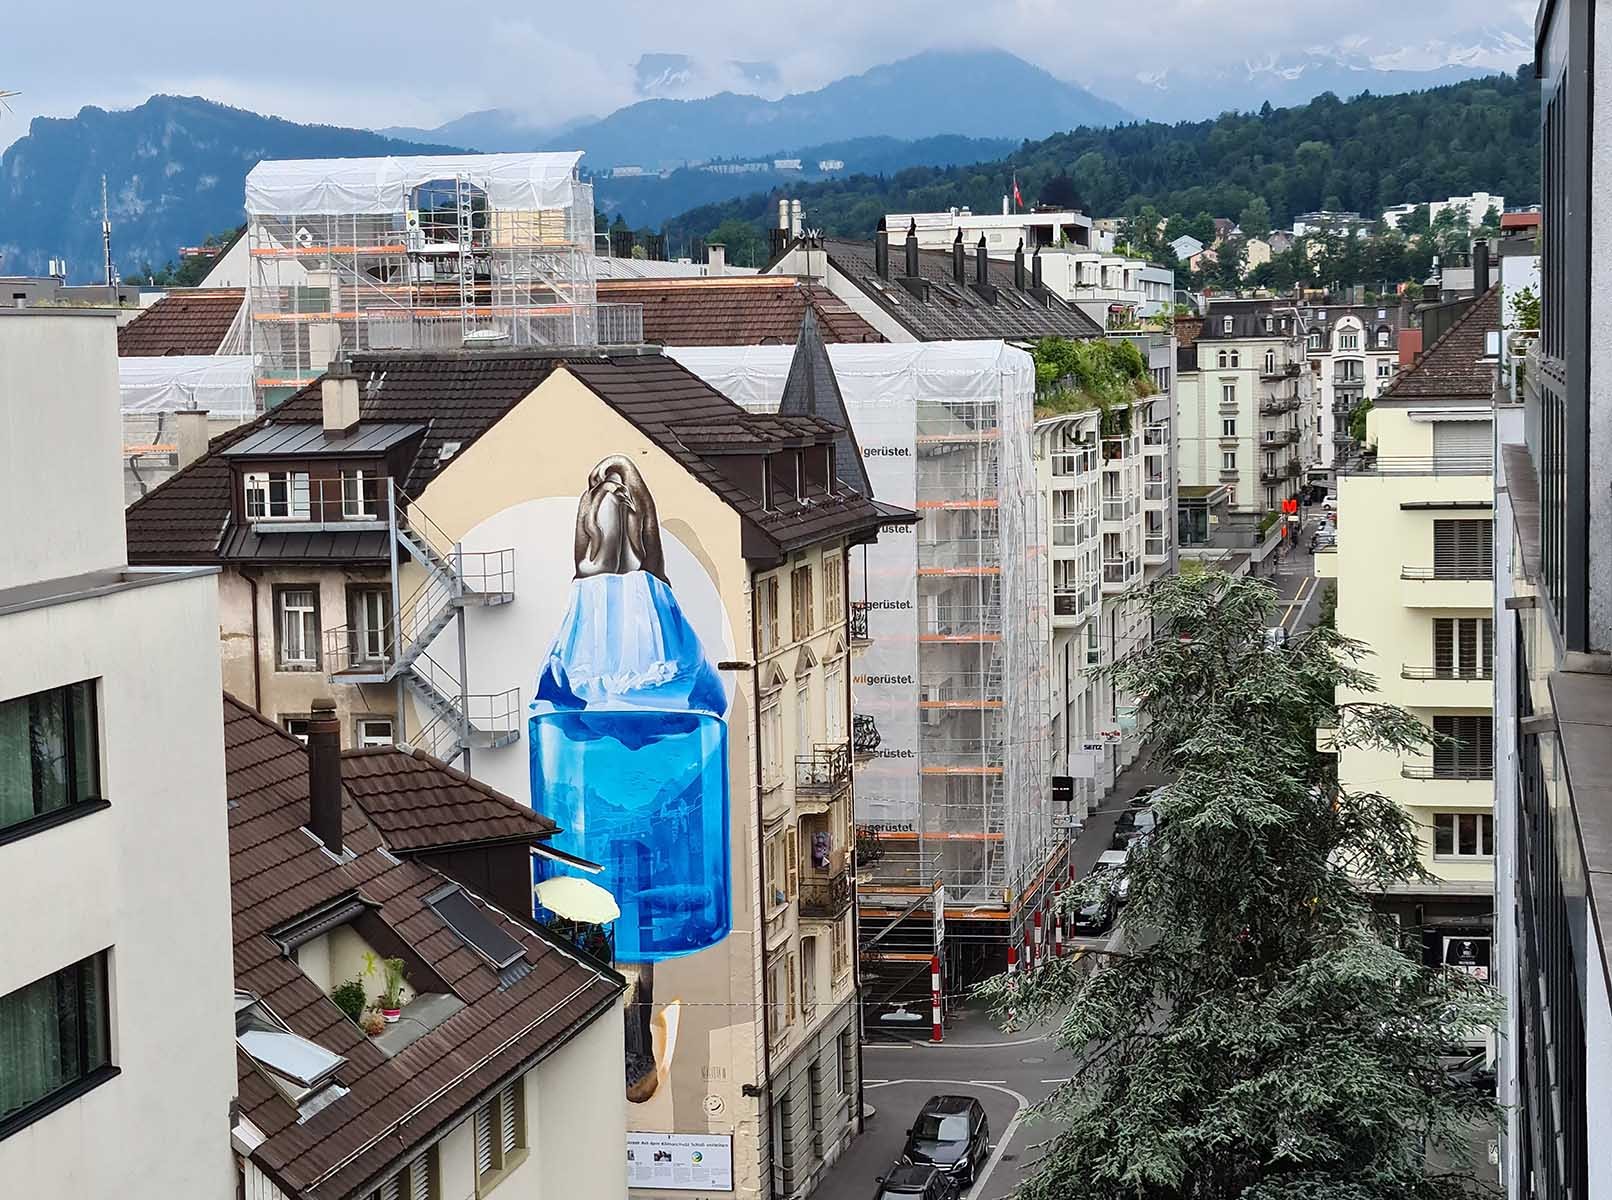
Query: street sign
{"x": 1065, "y": 821}
{"x": 1063, "y": 789}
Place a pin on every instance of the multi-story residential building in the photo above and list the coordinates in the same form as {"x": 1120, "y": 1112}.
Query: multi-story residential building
{"x": 116, "y": 1068}
{"x": 406, "y": 535}
{"x": 1477, "y": 206}
{"x": 1245, "y": 404}
{"x": 503, "y": 1067}
{"x": 1553, "y": 646}
{"x": 1414, "y": 568}
{"x": 1354, "y": 353}
{"x": 1036, "y": 229}
{"x": 1328, "y": 221}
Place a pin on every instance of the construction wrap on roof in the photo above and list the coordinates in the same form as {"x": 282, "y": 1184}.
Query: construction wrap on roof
{"x": 382, "y": 185}
{"x": 220, "y": 383}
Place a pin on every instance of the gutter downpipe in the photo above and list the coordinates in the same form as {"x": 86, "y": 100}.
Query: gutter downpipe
{"x": 761, "y": 889}
{"x": 250, "y": 575}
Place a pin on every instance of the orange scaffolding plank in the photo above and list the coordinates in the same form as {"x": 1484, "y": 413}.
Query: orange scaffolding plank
{"x": 976, "y": 703}
{"x": 956, "y": 504}
{"x": 981, "y": 770}
{"x": 959, "y": 637}
{"x": 959, "y": 570}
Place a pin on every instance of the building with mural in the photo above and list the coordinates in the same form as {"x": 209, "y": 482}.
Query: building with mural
{"x": 596, "y": 583}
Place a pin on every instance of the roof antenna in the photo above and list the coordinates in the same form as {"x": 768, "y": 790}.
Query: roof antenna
{"x": 106, "y": 238}
{"x": 7, "y": 95}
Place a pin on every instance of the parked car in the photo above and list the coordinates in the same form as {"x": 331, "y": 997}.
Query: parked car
{"x": 915, "y": 1181}
{"x": 1144, "y": 796}
{"x": 1132, "y": 824}
{"x": 1276, "y": 638}
{"x": 952, "y": 1133}
{"x": 1115, "y": 860}
{"x": 1095, "y": 916}
{"x": 1474, "y": 1072}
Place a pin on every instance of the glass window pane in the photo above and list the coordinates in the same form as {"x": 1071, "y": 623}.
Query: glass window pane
{"x": 1443, "y": 833}
{"x": 52, "y": 1033}
{"x": 1467, "y": 828}
{"x": 1487, "y": 824}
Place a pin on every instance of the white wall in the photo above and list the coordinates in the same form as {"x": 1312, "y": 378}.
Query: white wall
{"x": 576, "y": 1115}
{"x": 61, "y": 489}
{"x": 147, "y": 877}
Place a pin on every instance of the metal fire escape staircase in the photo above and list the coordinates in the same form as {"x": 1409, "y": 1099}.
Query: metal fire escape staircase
{"x": 397, "y": 651}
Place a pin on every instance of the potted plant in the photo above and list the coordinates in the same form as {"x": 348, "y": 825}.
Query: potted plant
{"x": 391, "y": 1000}
{"x": 374, "y": 1024}
{"x": 349, "y": 997}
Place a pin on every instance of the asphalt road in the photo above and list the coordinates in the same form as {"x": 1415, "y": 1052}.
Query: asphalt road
{"x": 1297, "y": 588}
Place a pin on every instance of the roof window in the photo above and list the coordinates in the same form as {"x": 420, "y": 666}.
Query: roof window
{"x": 465, "y": 918}
{"x": 303, "y": 1071}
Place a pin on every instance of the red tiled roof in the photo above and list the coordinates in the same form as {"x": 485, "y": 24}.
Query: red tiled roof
{"x": 1452, "y": 367}
{"x": 279, "y": 873}
{"x": 1520, "y": 220}
{"x": 741, "y": 310}
{"x": 420, "y": 803}
{"x": 192, "y": 322}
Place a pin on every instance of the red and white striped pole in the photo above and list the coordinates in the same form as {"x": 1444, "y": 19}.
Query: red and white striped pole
{"x": 934, "y": 999}
{"x": 1057, "y": 932}
{"x": 1013, "y": 971}
{"x": 1029, "y": 951}
{"x": 1040, "y": 944}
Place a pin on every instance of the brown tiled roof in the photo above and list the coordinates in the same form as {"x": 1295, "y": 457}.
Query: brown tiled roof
{"x": 278, "y": 872}
{"x": 1451, "y": 368}
{"x": 458, "y": 396}
{"x": 745, "y": 310}
{"x": 953, "y": 311}
{"x": 193, "y": 322}
{"x": 420, "y": 803}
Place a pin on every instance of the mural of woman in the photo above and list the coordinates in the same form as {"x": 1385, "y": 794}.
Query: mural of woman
{"x": 628, "y": 744}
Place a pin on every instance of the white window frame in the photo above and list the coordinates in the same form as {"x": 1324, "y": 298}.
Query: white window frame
{"x": 1228, "y": 460}
{"x": 767, "y": 614}
{"x": 772, "y": 742}
{"x": 834, "y": 701}
{"x": 368, "y": 731}
{"x": 1228, "y": 427}
{"x": 1480, "y": 823}
{"x": 355, "y": 505}
{"x": 1225, "y": 324}
{"x": 369, "y": 640}
{"x": 291, "y": 504}
{"x": 1228, "y": 393}
{"x": 803, "y": 715}
{"x": 299, "y": 653}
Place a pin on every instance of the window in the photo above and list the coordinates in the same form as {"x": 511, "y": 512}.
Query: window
{"x": 1236, "y": 359}
{"x": 782, "y": 868}
{"x": 358, "y": 494}
{"x": 1221, "y": 360}
{"x": 1225, "y": 325}
{"x": 800, "y": 597}
{"x": 1384, "y": 338}
{"x": 1228, "y": 393}
{"x": 767, "y": 614}
{"x": 1315, "y": 339}
{"x": 833, "y": 589}
{"x": 277, "y": 495}
{"x": 1385, "y": 368}
{"x": 417, "y": 1181}
{"x": 369, "y": 613}
{"x": 808, "y": 979}
{"x": 53, "y": 1037}
{"x": 1349, "y": 340}
{"x": 373, "y": 731}
{"x": 297, "y": 627}
{"x": 1463, "y": 549}
{"x": 1463, "y": 647}
{"x": 1228, "y": 460}
{"x": 297, "y": 727}
{"x": 781, "y": 992}
{"x": 1463, "y": 835}
{"x": 840, "y": 949}
{"x": 1270, "y": 361}
{"x": 1465, "y": 749}
{"x": 772, "y": 743}
{"x": 50, "y": 757}
{"x": 500, "y": 1132}
{"x": 803, "y": 716}
{"x": 834, "y": 701}
{"x": 1228, "y": 427}
{"x": 847, "y": 1063}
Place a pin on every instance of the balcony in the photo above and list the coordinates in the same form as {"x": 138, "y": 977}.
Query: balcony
{"x": 1447, "y": 687}
{"x": 1426, "y": 770}
{"x": 1460, "y": 586}
{"x": 1156, "y": 438}
{"x": 1072, "y": 532}
{"x": 1371, "y": 463}
{"x": 1277, "y": 405}
{"x": 1120, "y": 573}
{"x": 825, "y": 897}
{"x": 1156, "y": 547}
{"x": 1070, "y": 604}
{"x": 858, "y": 622}
{"x": 1120, "y": 508}
{"x": 826, "y": 771}
{"x": 291, "y": 502}
{"x": 1155, "y": 492}
{"x": 1072, "y": 463}
{"x": 865, "y": 737}
{"x": 1282, "y": 371}
{"x": 1279, "y": 437}
{"x": 1282, "y": 471}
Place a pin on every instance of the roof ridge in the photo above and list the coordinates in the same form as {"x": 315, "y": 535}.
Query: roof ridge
{"x": 1426, "y": 355}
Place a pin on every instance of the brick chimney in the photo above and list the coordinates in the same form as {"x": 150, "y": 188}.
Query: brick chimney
{"x": 338, "y": 391}
{"x": 190, "y": 429}
{"x": 324, "y": 774}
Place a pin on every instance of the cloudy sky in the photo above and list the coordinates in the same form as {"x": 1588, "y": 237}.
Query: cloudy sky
{"x": 409, "y": 62}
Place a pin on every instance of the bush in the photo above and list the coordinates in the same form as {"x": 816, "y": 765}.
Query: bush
{"x": 1072, "y": 376}
{"x": 349, "y": 997}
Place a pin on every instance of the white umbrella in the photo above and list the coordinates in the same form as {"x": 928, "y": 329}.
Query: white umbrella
{"x": 577, "y": 900}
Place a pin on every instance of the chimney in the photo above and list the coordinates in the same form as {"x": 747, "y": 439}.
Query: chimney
{"x": 881, "y": 251}
{"x": 912, "y": 249}
{"x": 959, "y": 261}
{"x": 783, "y": 215}
{"x": 1480, "y": 266}
{"x": 982, "y": 268}
{"x": 339, "y": 392}
{"x": 190, "y": 425}
{"x": 324, "y": 774}
{"x": 794, "y": 218}
{"x": 1018, "y": 266}
{"x": 779, "y": 242}
{"x": 716, "y": 258}
{"x": 1035, "y": 271}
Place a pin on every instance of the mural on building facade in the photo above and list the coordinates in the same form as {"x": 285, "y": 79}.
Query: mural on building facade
{"x": 629, "y": 755}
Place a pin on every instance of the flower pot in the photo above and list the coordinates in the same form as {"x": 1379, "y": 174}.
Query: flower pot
{"x": 391, "y": 1015}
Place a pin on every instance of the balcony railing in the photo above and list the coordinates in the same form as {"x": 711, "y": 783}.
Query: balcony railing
{"x": 825, "y": 897}
{"x": 865, "y": 737}
{"x": 1156, "y": 545}
{"x": 1483, "y": 672}
{"x": 1279, "y": 437}
{"x": 289, "y": 501}
{"x": 1280, "y": 371}
{"x": 1073, "y": 462}
{"x": 1287, "y": 470}
{"x": 1073, "y": 532}
{"x": 1156, "y": 490}
{"x": 1277, "y": 405}
{"x": 858, "y": 621}
{"x": 1156, "y": 434}
{"x": 1450, "y": 571}
{"x": 1121, "y": 570}
{"x": 957, "y": 620}
{"x": 1443, "y": 464}
{"x": 826, "y": 770}
{"x": 1118, "y": 508}
{"x": 1443, "y": 771}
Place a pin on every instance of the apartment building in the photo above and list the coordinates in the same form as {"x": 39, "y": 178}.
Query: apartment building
{"x": 1033, "y": 229}
{"x": 1415, "y": 568}
{"x": 1245, "y": 404}
{"x": 380, "y": 879}
{"x": 406, "y": 536}
{"x": 1354, "y": 352}
{"x": 1476, "y": 205}
{"x": 1552, "y": 641}
{"x": 116, "y": 1069}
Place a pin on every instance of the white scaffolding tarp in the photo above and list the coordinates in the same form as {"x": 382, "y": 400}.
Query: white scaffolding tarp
{"x": 219, "y": 383}
{"x": 515, "y": 182}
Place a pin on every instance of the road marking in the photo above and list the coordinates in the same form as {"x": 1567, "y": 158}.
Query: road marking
{"x": 1058, "y": 1081}
{"x": 1301, "y": 599}
{"x": 977, "y": 1188}
{"x": 987, "y": 1082}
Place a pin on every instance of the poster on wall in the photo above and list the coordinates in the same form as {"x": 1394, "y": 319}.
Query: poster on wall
{"x": 680, "y": 1162}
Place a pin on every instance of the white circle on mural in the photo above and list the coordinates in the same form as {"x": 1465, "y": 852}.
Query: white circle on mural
{"x": 506, "y": 645}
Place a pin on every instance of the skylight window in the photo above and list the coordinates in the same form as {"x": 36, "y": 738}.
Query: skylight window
{"x": 303, "y": 1071}
{"x": 465, "y": 918}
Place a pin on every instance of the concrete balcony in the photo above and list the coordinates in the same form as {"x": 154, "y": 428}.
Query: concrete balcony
{"x": 1120, "y": 573}
{"x": 1429, "y": 786}
{"x": 1118, "y": 509}
{"x": 1442, "y": 687}
{"x": 1433, "y": 587}
{"x": 1275, "y": 406}
{"x": 1071, "y": 607}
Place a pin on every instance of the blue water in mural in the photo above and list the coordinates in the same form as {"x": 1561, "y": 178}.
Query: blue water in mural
{"x": 629, "y": 754}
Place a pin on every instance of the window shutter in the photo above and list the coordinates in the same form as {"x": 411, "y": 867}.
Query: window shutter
{"x": 506, "y": 1115}
{"x": 1443, "y": 646}
{"x": 392, "y": 1189}
{"x": 1463, "y": 549}
{"x": 1487, "y": 662}
{"x": 1462, "y": 442}
{"x": 792, "y": 862}
{"x": 484, "y": 1140}
{"x": 1467, "y": 648}
{"x": 420, "y": 1176}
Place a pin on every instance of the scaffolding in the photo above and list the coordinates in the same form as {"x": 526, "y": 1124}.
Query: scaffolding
{"x": 954, "y": 678}
{"x": 423, "y": 253}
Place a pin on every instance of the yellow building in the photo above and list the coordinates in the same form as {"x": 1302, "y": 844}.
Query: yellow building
{"x": 1414, "y": 568}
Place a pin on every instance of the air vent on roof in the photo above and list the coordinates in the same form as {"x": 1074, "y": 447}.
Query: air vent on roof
{"x": 447, "y": 450}
{"x": 465, "y": 918}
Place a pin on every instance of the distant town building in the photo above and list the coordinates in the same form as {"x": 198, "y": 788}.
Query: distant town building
{"x": 1326, "y": 221}
{"x": 1393, "y": 217}
{"x": 1477, "y": 206}
{"x": 786, "y": 164}
{"x": 1002, "y": 231}
{"x": 1186, "y": 246}
{"x": 626, "y": 172}
{"x": 1354, "y": 354}
{"x": 831, "y": 164}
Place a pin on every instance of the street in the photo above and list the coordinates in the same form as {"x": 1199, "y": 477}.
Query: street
{"x": 1298, "y": 590}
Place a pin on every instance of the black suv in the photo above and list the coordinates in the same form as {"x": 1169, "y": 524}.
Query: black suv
{"x": 912, "y": 1181}
{"x": 1132, "y": 824}
{"x": 951, "y": 1132}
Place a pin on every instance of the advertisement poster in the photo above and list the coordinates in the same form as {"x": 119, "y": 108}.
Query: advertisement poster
{"x": 680, "y": 1162}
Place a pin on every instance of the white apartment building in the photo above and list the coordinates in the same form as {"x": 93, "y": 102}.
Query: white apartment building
{"x": 117, "y": 1067}
{"x": 1477, "y": 206}
{"x": 1245, "y": 404}
{"x": 1001, "y": 231}
{"x": 1354, "y": 354}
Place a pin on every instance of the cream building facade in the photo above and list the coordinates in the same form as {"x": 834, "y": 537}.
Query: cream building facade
{"x": 1354, "y": 354}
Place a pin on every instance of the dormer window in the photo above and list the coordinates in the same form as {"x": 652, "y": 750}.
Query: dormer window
{"x": 1225, "y": 325}
{"x": 277, "y": 496}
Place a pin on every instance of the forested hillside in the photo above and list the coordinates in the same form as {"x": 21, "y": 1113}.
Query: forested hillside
{"x": 1362, "y": 154}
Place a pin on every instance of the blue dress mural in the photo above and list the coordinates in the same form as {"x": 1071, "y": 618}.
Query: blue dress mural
{"x": 628, "y": 740}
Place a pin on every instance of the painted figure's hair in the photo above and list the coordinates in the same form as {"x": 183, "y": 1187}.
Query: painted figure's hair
{"x": 617, "y": 530}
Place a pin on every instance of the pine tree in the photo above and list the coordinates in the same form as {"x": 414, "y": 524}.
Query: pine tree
{"x": 1259, "y": 1032}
